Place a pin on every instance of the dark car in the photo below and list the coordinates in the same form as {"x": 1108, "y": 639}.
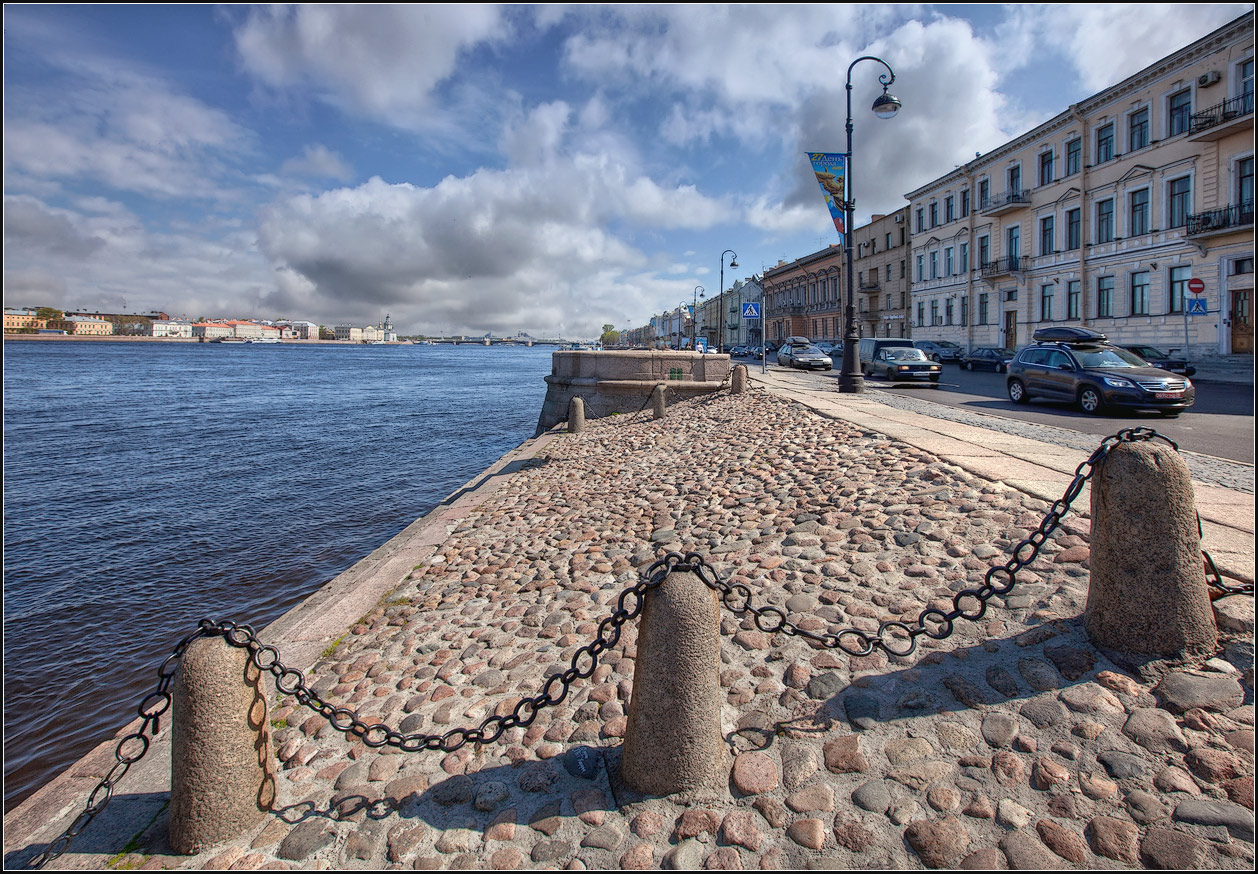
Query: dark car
{"x": 987, "y": 358}
{"x": 805, "y": 357}
{"x": 939, "y": 350}
{"x": 1160, "y": 359}
{"x": 898, "y": 363}
{"x": 1079, "y": 366}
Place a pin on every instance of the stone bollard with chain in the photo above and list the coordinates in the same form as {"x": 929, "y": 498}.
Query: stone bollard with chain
{"x": 657, "y": 402}
{"x": 1147, "y": 599}
{"x": 576, "y": 416}
{"x": 222, "y": 778}
{"x": 673, "y": 737}
{"x": 738, "y": 382}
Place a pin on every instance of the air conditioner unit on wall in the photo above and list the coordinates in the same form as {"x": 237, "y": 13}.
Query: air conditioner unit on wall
{"x": 1207, "y": 79}
{"x": 899, "y": 220}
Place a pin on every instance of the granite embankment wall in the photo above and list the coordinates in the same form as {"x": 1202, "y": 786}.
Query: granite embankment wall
{"x": 622, "y": 382}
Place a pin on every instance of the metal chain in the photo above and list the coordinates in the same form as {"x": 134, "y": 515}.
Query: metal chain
{"x": 933, "y": 622}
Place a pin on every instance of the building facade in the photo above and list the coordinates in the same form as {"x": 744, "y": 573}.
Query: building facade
{"x": 881, "y": 260}
{"x": 172, "y": 328}
{"x": 804, "y": 297}
{"x": 210, "y": 330}
{"x": 1112, "y": 215}
{"x": 83, "y": 326}
{"x": 22, "y": 319}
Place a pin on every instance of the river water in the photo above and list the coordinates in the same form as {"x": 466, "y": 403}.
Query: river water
{"x": 149, "y": 485}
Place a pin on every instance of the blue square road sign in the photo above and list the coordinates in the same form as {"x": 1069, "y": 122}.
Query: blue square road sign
{"x": 751, "y": 311}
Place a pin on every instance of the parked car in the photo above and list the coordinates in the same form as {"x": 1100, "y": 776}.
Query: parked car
{"x": 987, "y": 357}
{"x": 804, "y": 357}
{"x": 1078, "y": 365}
{"x": 898, "y": 363}
{"x": 1160, "y": 359}
{"x": 940, "y": 350}
{"x": 826, "y": 346}
{"x": 737, "y": 351}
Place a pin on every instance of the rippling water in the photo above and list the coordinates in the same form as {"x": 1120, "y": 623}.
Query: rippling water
{"x": 147, "y": 486}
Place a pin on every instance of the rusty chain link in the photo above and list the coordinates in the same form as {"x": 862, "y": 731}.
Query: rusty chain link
{"x": 935, "y": 623}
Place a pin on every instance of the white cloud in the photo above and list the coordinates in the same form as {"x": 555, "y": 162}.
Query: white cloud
{"x": 318, "y": 162}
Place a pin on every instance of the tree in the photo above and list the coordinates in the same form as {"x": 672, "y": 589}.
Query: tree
{"x": 610, "y": 336}
{"x": 47, "y": 314}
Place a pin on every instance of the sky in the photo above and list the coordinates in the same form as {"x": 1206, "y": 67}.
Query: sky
{"x": 498, "y": 169}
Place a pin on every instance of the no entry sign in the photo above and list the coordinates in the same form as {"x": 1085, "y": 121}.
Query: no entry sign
{"x": 1196, "y": 286}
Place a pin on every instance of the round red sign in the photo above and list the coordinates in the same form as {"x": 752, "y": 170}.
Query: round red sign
{"x": 1196, "y": 286}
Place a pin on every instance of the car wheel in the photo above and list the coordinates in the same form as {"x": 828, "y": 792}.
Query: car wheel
{"x": 1169, "y": 414}
{"x": 935, "y": 358}
{"x": 1090, "y": 401}
{"x": 1017, "y": 391}
{"x": 965, "y": 365}
{"x": 1000, "y": 368}
{"x": 934, "y": 379}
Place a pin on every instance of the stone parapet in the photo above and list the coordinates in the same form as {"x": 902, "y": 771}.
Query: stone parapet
{"x": 621, "y": 382}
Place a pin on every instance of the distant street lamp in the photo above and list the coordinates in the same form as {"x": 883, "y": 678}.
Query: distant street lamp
{"x": 733, "y": 262}
{"x": 850, "y": 378}
{"x": 694, "y": 319}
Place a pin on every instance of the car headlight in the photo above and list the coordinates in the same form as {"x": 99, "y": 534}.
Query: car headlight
{"x": 1117, "y": 382}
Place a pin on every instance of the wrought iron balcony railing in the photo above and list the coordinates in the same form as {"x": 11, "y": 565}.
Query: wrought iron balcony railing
{"x": 1232, "y": 216}
{"x": 1008, "y": 200}
{"x": 1226, "y": 111}
{"x": 1006, "y": 265}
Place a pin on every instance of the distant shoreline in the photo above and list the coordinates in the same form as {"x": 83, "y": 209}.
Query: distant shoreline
{"x": 118, "y": 338}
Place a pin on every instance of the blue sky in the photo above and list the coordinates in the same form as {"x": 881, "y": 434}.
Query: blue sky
{"x": 482, "y": 169}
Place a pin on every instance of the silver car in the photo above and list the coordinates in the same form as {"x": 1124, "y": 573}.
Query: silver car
{"x": 806, "y": 357}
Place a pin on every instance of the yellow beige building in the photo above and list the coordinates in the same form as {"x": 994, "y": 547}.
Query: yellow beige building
{"x": 1131, "y": 213}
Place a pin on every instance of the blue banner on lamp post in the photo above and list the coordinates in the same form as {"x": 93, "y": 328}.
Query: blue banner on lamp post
{"x": 830, "y": 169}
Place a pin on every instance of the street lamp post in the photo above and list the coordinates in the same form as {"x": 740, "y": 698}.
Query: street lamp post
{"x": 694, "y": 319}
{"x": 850, "y": 378}
{"x": 733, "y": 262}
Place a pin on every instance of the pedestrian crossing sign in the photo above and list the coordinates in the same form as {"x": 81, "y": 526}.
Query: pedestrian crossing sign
{"x": 1197, "y": 306}
{"x": 751, "y": 311}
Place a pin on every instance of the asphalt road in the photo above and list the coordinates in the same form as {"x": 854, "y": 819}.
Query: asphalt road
{"x": 1220, "y": 422}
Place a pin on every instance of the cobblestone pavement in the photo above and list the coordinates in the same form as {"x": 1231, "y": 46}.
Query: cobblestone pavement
{"x": 1012, "y": 743}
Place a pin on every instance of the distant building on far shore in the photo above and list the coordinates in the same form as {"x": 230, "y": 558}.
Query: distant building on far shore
{"x": 83, "y": 326}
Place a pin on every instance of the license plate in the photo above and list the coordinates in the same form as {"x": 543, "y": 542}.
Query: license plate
{"x": 1167, "y": 395}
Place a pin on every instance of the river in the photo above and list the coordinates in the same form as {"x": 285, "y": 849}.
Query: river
{"x": 150, "y": 485}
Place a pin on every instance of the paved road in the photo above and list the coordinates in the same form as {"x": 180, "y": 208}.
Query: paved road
{"x": 1220, "y": 423}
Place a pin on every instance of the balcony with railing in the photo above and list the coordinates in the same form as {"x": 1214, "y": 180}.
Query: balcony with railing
{"x": 1006, "y": 266}
{"x": 1223, "y": 220}
{"x": 1230, "y": 116}
{"x": 869, "y": 286}
{"x": 1007, "y": 201}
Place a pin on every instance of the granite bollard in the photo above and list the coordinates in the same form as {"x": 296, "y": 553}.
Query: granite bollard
{"x": 673, "y": 736}
{"x": 576, "y": 416}
{"x": 657, "y": 402}
{"x": 222, "y": 778}
{"x": 1147, "y": 598}
{"x": 738, "y": 382}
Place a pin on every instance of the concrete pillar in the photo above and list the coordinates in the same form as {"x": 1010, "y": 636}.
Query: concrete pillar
{"x": 1147, "y": 597}
{"x": 576, "y": 416}
{"x": 673, "y": 738}
{"x": 738, "y": 382}
{"x": 657, "y": 402}
{"x": 222, "y": 778}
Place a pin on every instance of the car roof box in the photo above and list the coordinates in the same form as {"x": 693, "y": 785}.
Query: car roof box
{"x": 1065, "y": 334}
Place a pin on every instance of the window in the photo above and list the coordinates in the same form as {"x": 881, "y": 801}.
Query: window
{"x": 965, "y": 203}
{"x": 1073, "y": 229}
{"x": 1072, "y": 299}
{"x": 921, "y": 219}
{"x": 1074, "y": 156}
{"x": 1046, "y": 168}
{"x": 965, "y": 257}
{"x": 934, "y": 312}
{"x": 1242, "y": 266}
{"x": 934, "y": 265}
{"x": 984, "y": 193}
{"x": 965, "y": 310}
{"x": 888, "y": 246}
{"x": 948, "y": 311}
{"x": 1247, "y": 85}
{"x": 903, "y": 266}
{"x": 1245, "y": 185}
{"x": 1047, "y": 225}
{"x": 1138, "y": 202}
{"x": 903, "y": 299}
{"x": 921, "y": 313}
{"x": 921, "y": 268}
{"x": 1180, "y": 197}
{"x": 1015, "y": 178}
{"x": 1013, "y": 241}
{"x": 1046, "y": 303}
{"x": 1140, "y": 293}
{"x": 984, "y": 250}
{"x": 1105, "y": 221}
{"x": 982, "y": 308}
{"x": 888, "y": 271}
{"x": 948, "y": 261}
{"x": 1138, "y": 129}
{"x": 949, "y": 210}
{"x": 1104, "y": 143}
{"x": 1105, "y": 297}
{"x": 1179, "y": 113}
{"x": 934, "y": 215}
{"x": 1179, "y": 285}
